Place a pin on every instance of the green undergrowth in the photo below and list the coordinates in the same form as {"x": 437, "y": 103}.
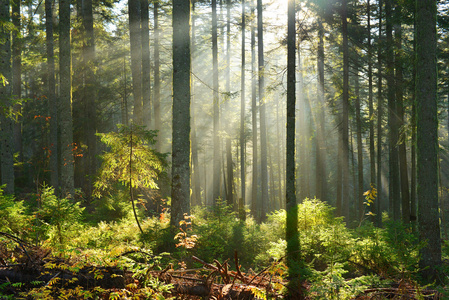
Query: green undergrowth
{"x": 340, "y": 262}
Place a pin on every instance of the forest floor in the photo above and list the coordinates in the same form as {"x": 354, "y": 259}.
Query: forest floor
{"x": 38, "y": 274}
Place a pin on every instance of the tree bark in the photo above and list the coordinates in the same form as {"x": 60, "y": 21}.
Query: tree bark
{"x": 65, "y": 102}
{"x": 321, "y": 178}
{"x": 427, "y": 137}
{"x": 181, "y": 112}
{"x": 136, "y": 58}
{"x": 146, "y": 67}
{"x": 51, "y": 95}
{"x": 90, "y": 96}
{"x": 17, "y": 76}
{"x": 372, "y": 152}
{"x": 393, "y": 162}
{"x": 378, "y": 206}
{"x": 402, "y": 151}
{"x": 264, "y": 201}
{"x": 216, "y": 106}
{"x": 292, "y": 234}
{"x": 243, "y": 108}
{"x": 6, "y": 122}
{"x": 345, "y": 115}
{"x": 157, "y": 76}
{"x": 255, "y": 205}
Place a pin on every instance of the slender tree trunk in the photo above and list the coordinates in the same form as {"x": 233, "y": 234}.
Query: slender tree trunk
{"x": 262, "y": 118}
{"x": 229, "y": 162}
{"x": 90, "y": 96}
{"x": 243, "y": 108}
{"x": 216, "y": 105}
{"x": 196, "y": 195}
{"x": 345, "y": 120}
{"x": 394, "y": 192}
{"x": 360, "y": 188}
{"x": 51, "y": 95}
{"x": 146, "y": 67}
{"x": 372, "y": 153}
{"x": 17, "y": 75}
{"x": 65, "y": 100}
{"x": 378, "y": 206}
{"x": 181, "y": 112}
{"x": 157, "y": 76}
{"x": 301, "y": 129}
{"x": 255, "y": 203}
{"x": 136, "y": 58}
{"x": 405, "y": 193}
{"x": 292, "y": 234}
{"x": 321, "y": 178}
{"x": 6, "y": 130}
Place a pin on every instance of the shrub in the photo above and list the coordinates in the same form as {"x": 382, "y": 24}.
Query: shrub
{"x": 13, "y": 215}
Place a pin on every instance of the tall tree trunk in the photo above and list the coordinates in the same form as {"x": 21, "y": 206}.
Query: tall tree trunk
{"x": 360, "y": 188}
{"x": 65, "y": 102}
{"x": 292, "y": 234}
{"x": 146, "y": 67}
{"x": 51, "y": 95}
{"x": 90, "y": 96}
{"x": 243, "y": 108}
{"x": 216, "y": 105}
{"x": 427, "y": 137}
{"x": 413, "y": 204}
{"x": 181, "y": 112}
{"x": 229, "y": 162}
{"x": 262, "y": 118}
{"x": 17, "y": 75}
{"x": 157, "y": 76}
{"x": 394, "y": 192}
{"x": 372, "y": 160}
{"x": 196, "y": 195}
{"x": 6, "y": 129}
{"x": 405, "y": 193}
{"x": 345, "y": 117}
{"x": 136, "y": 58}
{"x": 379, "y": 206}
{"x": 321, "y": 178}
{"x": 301, "y": 129}
{"x": 255, "y": 203}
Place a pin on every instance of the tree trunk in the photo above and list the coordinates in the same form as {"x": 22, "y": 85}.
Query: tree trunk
{"x": 405, "y": 194}
{"x": 255, "y": 203}
{"x": 196, "y": 190}
{"x": 157, "y": 76}
{"x": 6, "y": 122}
{"x": 345, "y": 116}
{"x": 146, "y": 67}
{"x": 427, "y": 137}
{"x": 292, "y": 234}
{"x": 378, "y": 206}
{"x": 321, "y": 178}
{"x": 229, "y": 162}
{"x": 65, "y": 102}
{"x": 394, "y": 192}
{"x": 136, "y": 58}
{"x": 372, "y": 160}
{"x": 90, "y": 96}
{"x": 181, "y": 112}
{"x": 216, "y": 105}
{"x": 17, "y": 76}
{"x": 51, "y": 96}
{"x": 243, "y": 108}
{"x": 262, "y": 118}
{"x": 360, "y": 189}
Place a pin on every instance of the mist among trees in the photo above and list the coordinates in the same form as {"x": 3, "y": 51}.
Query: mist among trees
{"x": 310, "y": 133}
